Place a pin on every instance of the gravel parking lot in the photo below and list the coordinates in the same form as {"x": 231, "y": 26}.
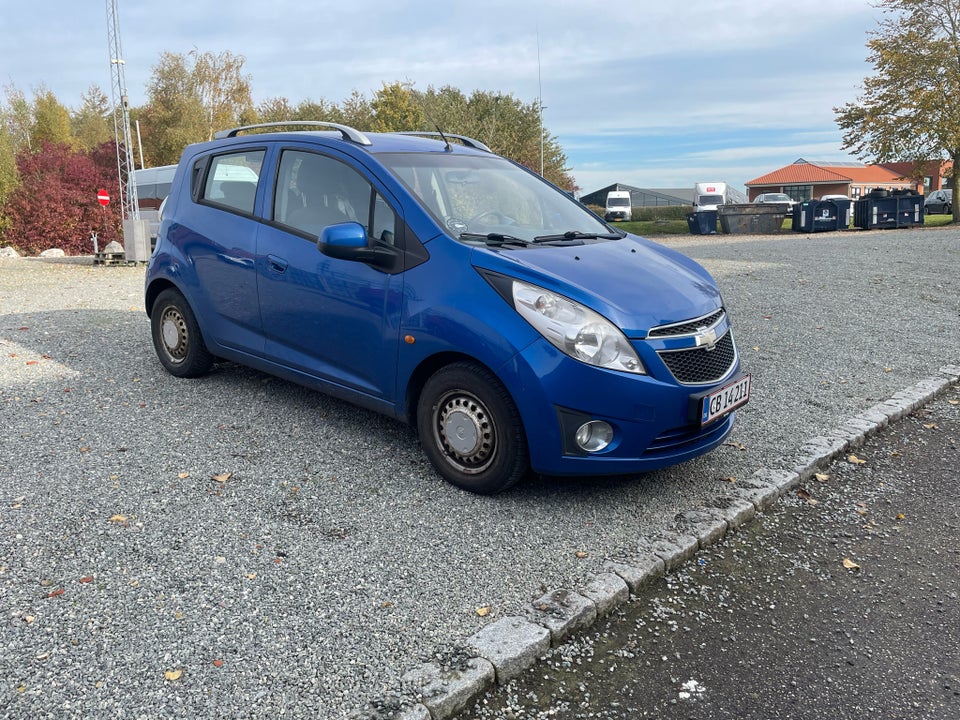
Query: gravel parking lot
{"x": 236, "y": 546}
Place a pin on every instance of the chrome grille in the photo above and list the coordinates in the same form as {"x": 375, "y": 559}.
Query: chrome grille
{"x": 689, "y": 327}
{"x": 701, "y": 365}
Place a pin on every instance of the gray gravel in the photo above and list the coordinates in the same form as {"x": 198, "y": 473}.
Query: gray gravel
{"x": 332, "y": 559}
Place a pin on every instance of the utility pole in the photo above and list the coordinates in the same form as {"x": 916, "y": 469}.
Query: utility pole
{"x": 540, "y": 101}
{"x": 129, "y": 203}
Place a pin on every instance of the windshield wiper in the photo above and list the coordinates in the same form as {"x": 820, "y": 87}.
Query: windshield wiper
{"x": 495, "y": 239}
{"x": 576, "y": 235}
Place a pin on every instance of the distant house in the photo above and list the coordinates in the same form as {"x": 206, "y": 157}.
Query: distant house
{"x": 642, "y": 197}
{"x": 931, "y": 175}
{"x": 804, "y": 180}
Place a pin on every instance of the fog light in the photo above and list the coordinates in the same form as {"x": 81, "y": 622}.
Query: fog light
{"x": 594, "y": 436}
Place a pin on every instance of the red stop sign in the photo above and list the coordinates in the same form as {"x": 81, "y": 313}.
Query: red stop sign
{"x": 102, "y": 197}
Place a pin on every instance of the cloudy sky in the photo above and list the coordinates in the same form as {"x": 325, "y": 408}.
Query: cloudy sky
{"x": 648, "y": 93}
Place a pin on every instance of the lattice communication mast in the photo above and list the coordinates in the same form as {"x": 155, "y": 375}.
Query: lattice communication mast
{"x": 129, "y": 202}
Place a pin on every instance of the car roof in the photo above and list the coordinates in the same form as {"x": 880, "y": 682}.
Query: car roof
{"x": 413, "y": 141}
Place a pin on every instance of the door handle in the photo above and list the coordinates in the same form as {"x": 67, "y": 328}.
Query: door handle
{"x": 277, "y": 264}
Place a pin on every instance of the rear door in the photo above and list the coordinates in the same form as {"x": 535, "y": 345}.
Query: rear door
{"x": 219, "y": 234}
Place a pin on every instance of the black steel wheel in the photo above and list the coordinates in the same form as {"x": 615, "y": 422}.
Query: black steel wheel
{"x": 176, "y": 336}
{"x": 470, "y": 429}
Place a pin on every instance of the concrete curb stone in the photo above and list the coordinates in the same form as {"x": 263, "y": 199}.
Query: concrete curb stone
{"x": 607, "y": 591}
{"x": 673, "y": 548}
{"x": 445, "y": 691}
{"x": 707, "y": 527}
{"x": 636, "y": 572}
{"x": 511, "y": 644}
{"x": 736, "y": 511}
{"x": 784, "y": 480}
{"x": 562, "y": 612}
{"x": 858, "y": 429}
{"x": 415, "y": 712}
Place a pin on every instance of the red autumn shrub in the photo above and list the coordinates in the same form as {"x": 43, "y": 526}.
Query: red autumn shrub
{"x": 56, "y": 205}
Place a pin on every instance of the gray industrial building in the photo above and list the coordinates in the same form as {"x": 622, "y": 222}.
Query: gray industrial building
{"x": 642, "y": 197}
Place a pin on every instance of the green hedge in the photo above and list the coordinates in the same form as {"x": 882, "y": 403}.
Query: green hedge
{"x": 653, "y": 214}
{"x": 662, "y": 212}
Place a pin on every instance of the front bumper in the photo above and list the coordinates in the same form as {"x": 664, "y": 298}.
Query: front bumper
{"x": 650, "y": 417}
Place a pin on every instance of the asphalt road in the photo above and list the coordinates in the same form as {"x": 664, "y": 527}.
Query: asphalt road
{"x": 841, "y": 602}
{"x": 238, "y": 547}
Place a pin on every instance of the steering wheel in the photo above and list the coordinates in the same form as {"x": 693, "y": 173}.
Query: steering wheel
{"x": 501, "y": 219}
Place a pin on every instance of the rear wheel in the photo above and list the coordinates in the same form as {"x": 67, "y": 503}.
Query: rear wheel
{"x": 470, "y": 429}
{"x": 176, "y": 336}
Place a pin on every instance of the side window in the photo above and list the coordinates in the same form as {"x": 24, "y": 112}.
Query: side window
{"x": 232, "y": 180}
{"x": 314, "y": 191}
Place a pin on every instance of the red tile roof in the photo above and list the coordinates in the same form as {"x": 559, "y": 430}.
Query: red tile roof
{"x": 800, "y": 172}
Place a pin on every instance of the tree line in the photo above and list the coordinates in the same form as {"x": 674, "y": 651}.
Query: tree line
{"x": 53, "y": 159}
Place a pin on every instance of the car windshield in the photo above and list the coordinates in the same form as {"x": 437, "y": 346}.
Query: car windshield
{"x": 618, "y": 202}
{"x": 481, "y": 199}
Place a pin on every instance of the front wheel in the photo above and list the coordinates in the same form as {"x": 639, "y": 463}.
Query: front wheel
{"x": 176, "y": 336}
{"x": 470, "y": 429}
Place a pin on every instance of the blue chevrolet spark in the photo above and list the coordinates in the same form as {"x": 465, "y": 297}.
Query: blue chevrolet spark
{"x": 424, "y": 277}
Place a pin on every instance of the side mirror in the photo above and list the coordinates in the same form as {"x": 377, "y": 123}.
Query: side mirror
{"x": 341, "y": 239}
{"x": 348, "y": 241}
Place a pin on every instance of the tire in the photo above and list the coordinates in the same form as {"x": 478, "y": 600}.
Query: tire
{"x": 177, "y": 338}
{"x": 947, "y": 210}
{"x": 489, "y": 454}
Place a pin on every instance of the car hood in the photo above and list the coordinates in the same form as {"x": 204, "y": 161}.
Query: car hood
{"x": 634, "y": 283}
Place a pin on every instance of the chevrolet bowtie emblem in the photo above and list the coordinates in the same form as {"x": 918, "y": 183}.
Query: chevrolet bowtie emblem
{"x": 707, "y": 338}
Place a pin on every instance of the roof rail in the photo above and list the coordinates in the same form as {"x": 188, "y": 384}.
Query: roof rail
{"x": 469, "y": 142}
{"x": 348, "y": 132}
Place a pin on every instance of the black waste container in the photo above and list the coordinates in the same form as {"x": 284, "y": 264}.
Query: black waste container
{"x": 752, "y": 218}
{"x": 844, "y": 212}
{"x": 909, "y": 209}
{"x": 821, "y": 215}
{"x": 702, "y": 222}
{"x": 876, "y": 211}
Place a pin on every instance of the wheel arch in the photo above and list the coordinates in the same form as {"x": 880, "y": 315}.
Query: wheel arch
{"x": 418, "y": 378}
{"x": 160, "y": 284}
{"x": 154, "y": 289}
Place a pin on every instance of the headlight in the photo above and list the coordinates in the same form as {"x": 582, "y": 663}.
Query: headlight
{"x": 575, "y": 330}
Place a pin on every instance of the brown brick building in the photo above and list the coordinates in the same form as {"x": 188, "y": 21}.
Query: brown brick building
{"x": 805, "y": 180}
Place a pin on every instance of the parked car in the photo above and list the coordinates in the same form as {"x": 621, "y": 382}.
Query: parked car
{"x": 431, "y": 280}
{"x": 777, "y": 198}
{"x": 938, "y": 201}
{"x": 834, "y": 197}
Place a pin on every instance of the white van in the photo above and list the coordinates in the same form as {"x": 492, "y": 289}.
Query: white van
{"x": 153, "y": 186}
{"x": 618, "y": 205}
{"x": 709, "y": 195}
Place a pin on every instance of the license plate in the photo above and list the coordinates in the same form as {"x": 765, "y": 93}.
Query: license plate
{"x": 729, "y": 397}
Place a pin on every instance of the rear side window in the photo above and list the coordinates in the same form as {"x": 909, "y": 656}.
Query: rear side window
{"x": 232, "y": 180}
